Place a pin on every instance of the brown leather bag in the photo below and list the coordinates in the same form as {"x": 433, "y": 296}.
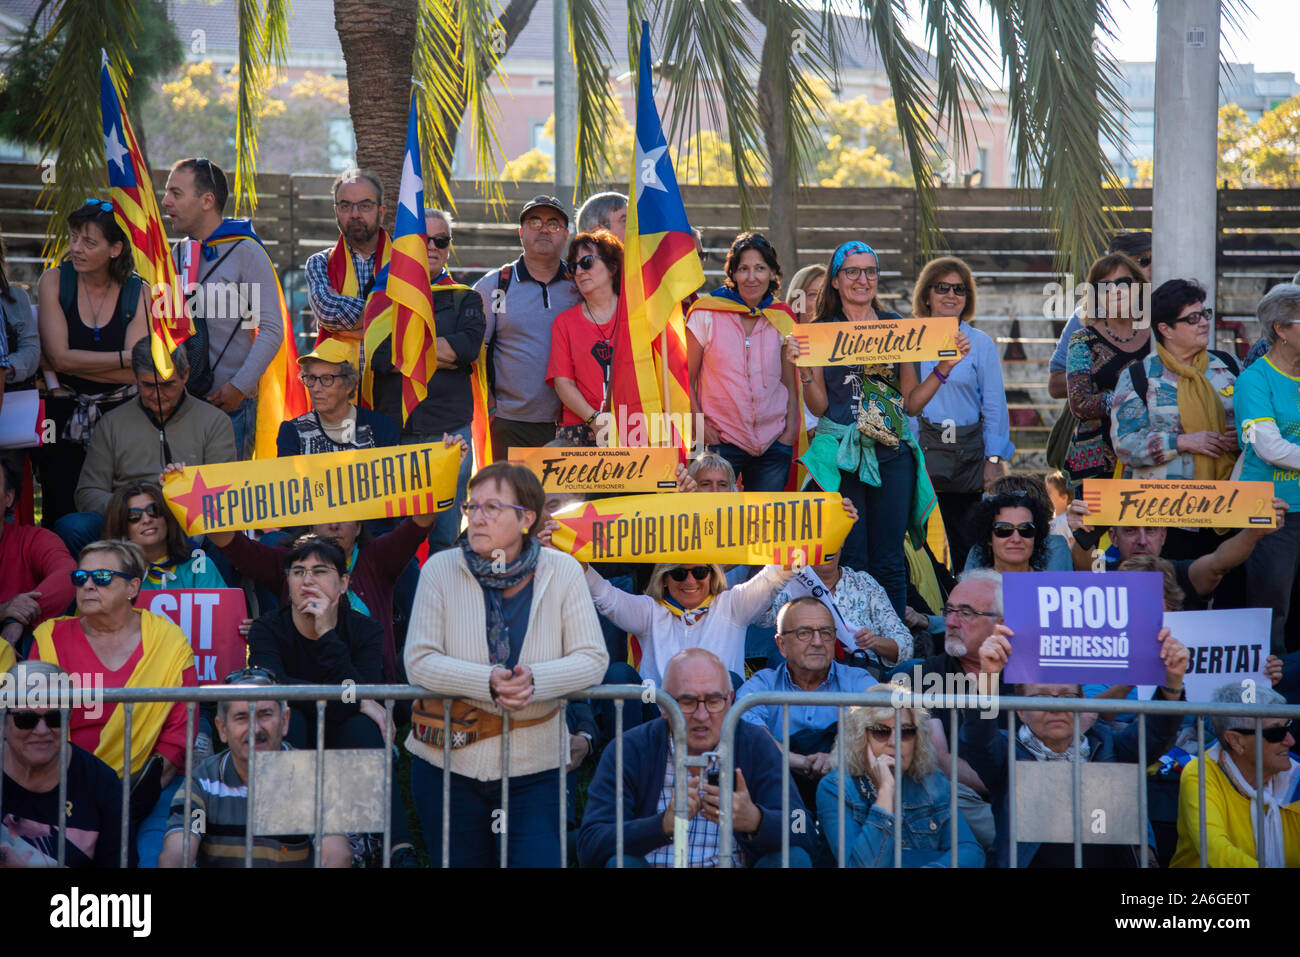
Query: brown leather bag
{"x": 469, "y": 724}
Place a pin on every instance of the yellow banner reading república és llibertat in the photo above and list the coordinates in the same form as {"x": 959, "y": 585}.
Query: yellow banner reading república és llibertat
{"x": 749, "y": 528}
{"x": 1181, "y": 503}
{"x": 311, "y": 489}
{"x": 601, "y": 469}
{"x": 868, "y": 343}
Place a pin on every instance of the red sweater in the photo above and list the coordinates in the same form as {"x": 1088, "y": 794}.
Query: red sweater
{"x": 34, "y": 559}
{"x": 379, "y": 563}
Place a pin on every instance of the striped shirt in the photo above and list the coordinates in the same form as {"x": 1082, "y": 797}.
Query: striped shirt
{"x": 702, "y": 836}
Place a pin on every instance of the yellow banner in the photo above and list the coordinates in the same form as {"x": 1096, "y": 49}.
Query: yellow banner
{"x": 1180, "y": 503}
{"x": 311, "y": 489}
{"x": 601, "y": 469}
{"x": 868, "y": 343}
{"x": 750, "y": 528}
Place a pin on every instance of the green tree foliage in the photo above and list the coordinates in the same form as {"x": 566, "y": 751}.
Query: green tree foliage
{"x": 1260, "y": 155}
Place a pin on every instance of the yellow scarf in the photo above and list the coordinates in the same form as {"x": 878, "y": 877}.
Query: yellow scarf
{"x": 689, "y": 615}
{"x": 1199, "y": 409}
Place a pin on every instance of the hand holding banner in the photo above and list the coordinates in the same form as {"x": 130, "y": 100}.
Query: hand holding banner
{"x": 1180, "y": 503}
{"x": 643, "y": 469}
{"x": 869, "y": 343}
{"x": 310, "y": 489}
{"x": 1084, "y": 628}
{"x": 1223, "y": 645}
{"x": 753, "y": 528}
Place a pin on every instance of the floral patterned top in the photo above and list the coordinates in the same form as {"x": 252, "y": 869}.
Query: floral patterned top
{"x": 861, "y": 600}
{"x": 1092, "y": 367}
{"x": 1145, "y": 428}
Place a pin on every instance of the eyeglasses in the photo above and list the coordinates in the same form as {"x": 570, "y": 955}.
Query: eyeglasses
{"x": 103, "y": 577}
{"x": 1065, "y": 696}
{"x": 714, "y": 703}
{"x": 365, "y": 206}
{"x": 538, "y": 225}
{"x": 1193, "y": 318}
{"x": 943, "y": 288}
{"x": 883, "y": 733}
{"x": 967, "y": 613}
{"x": 586, "y": 262}
{"x": 103, "y": 204}
{"x": 699, "y": 573}
{"x": 491, "y": 509}
{"x": 854, "y": 273}
{"x": 1271, "y": 735}
{"x": 251, "y": 675}
{"x": 805, "y": 635}
{"x": 1006, "y": 529}
{"x": 440, "y": 242}
{"x": 325, "y": 380}
{"x": 134, "y": 515}
{"x": 1116, "y": 284}
{"x": 1144, "y": 261}
{"x": 28, "y": 720}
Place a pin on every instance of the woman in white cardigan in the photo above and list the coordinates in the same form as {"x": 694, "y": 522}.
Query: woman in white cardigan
{"x": 504, "y": 626}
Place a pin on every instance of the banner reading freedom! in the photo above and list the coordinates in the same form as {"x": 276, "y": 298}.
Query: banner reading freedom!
{"x": 753, "y": 528}
{"x": 1180, "y": 503}
{"x": 601, "y": 469}
{"x": 311, "y": 489}
{"x": 867, "y": 343}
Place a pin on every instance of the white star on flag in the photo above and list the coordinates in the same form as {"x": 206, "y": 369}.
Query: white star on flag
{"x": 115, "y": 149}
{"x": 647, "y": 175}
{"x": 411, "y": 188}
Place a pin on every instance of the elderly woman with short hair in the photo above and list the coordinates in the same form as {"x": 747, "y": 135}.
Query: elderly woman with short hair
{"x": 1268, "y": 423}
{"x": 335, "y": 423}
{"x": 874, "y": 773}
{"x": 1232, "y": 821}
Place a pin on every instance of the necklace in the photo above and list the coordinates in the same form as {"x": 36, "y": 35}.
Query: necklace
{"x": 1110, "y": 332}
{"x": 94, "y": 329}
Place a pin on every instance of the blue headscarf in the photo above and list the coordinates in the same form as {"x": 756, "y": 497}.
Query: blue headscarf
{"x": 844, "y": 251}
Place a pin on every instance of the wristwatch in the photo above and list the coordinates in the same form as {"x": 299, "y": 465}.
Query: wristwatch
{"x": 993, "y": 459}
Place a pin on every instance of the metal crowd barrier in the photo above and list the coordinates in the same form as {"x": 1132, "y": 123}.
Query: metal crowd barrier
{"x": 322, "y": 694}
{"x": 1008, "y": 704}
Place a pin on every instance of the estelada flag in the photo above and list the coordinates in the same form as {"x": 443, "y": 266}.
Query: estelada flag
{"x": 136, "y": 209}
{"x": 660, "y": 268}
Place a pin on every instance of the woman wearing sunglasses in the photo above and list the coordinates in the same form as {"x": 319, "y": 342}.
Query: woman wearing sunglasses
{"x": 582, "y": 339}
{"x": 973, "y": 398}
{"x": 874, "y": 773}
{"x": 1234, "y": 837}
{"x": 124, "y": 646}
{"x": 1110, "y": 341}
{"x": 92, "y": 311}
{"x": 138, "y": 513}
{"x": 1010, "y": 531}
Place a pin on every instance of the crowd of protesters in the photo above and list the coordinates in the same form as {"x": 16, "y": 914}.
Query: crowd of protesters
{"x": 475, "y": 602}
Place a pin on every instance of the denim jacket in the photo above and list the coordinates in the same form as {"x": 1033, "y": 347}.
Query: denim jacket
{"x": 869, "y": 828}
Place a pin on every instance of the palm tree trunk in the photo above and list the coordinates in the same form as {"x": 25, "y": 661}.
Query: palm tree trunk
{"x": 783, "y": 214}
{"x": 378, "y": 40}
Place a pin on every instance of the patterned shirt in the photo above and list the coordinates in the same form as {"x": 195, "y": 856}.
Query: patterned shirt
{"x": 862, "y": 601}
{"x": 1145, "y": 428}
{"x": 334, "y": 310}
{"x": 701, "y": 836}
{"x": 1092, "y": 367}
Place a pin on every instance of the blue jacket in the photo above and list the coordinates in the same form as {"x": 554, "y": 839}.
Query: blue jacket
{"x": 984, "y": 746}
{"x": 869, "y": 827}
{"x": 645, "y": 759}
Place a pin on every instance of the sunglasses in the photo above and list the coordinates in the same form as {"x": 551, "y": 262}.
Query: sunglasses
{"x": 1006, "y": 529}
{"x": 1144, "y": 261}
{"x": 441, "y": 242}
{"x": 1271, "y": 735}
{"x": 883, "y": 734}
{"x": 699, "y": 573}
{"x": 586, "y": 262}
{"x": 103, "y": 204}
{"x": 28, "y": 720}
{"x": 134, "y": 515}
{"x": 103, "y": 577}
{"x": 943, "y": 288}
{"x": 1193, "y": 318}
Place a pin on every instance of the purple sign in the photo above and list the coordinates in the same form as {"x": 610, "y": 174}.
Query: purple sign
{"x": 1084, "y": 627}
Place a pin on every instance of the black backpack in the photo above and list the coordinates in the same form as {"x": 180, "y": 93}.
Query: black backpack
{"x": 1138, "y": 371}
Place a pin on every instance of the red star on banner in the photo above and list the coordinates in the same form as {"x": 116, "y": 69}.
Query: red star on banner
{"x": 582, "y": 525}
{"x": 192, "y": 501}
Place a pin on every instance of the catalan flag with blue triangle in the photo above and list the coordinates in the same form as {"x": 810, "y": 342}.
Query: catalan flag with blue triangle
{"x": 661, "y": 267}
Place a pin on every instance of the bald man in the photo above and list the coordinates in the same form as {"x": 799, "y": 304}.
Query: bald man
{"x": 698, "y": 681}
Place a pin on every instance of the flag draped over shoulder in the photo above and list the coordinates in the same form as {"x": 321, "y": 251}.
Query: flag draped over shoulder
{"x": 342, "y": 275}
{"x": 660, "y": 268}
{"x": 136, "y": 209}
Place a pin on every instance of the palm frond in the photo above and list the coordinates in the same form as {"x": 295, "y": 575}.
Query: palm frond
{"x": 597, "y": 109}
{"x": 483, "y": 44}
{"x": 960, "y": 52}
{"x": 263, "y": 27}
{"x": 440, "y": 87}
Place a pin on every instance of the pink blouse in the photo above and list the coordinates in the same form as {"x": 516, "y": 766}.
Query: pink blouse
{"x": 740, "y": 387}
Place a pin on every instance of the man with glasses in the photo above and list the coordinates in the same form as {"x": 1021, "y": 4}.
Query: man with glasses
{"x": 522, "y": 300}
{"x": 1049, "y": 736}
{"x": 340, "y": 279}
{"x": 29, "y": 818}
{"x": 698, "y": 681}
{"x": 218, "y": 794}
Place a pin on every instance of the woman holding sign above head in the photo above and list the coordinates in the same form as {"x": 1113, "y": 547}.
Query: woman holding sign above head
{"x": 138, "y": 513}
{"x": 864, "y": 447}
{"x": 741, "y": 380}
